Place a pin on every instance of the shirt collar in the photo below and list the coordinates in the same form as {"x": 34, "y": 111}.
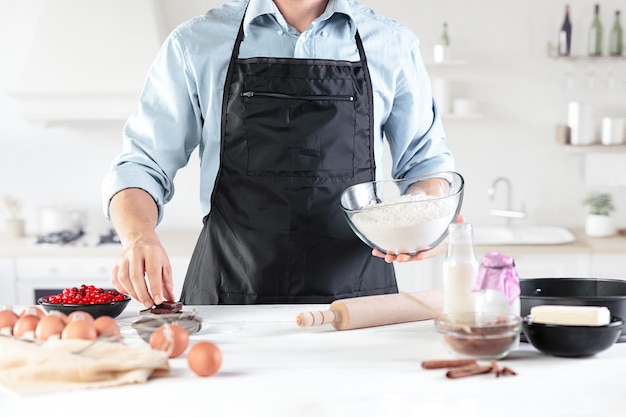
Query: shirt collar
{"x": 258, "y": 8}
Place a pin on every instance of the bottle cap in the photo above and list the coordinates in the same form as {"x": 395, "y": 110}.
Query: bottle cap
{"x": 497, "y": 272}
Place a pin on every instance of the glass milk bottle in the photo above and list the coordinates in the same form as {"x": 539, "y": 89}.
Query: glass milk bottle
{"x": 497, "y": 285}
{"x": 460, "y": 268}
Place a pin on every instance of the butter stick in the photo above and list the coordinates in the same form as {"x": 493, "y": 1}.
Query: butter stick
{"x": 570, "y": 315}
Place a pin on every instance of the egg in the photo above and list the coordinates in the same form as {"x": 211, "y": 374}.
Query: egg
{"x": 170, "y": 338}
{"x": 7, "y": 321}
{"x": 83, "y": 315}
{"x": 204, "y": 358}
{"x": 107, "y": 327}
{"x": 25, "y": 326}
{"x": 49, "y": 326}
{"x": 79, "y": 328}
{"x": 33, "y": 310}
{"x": 59, "y": 314}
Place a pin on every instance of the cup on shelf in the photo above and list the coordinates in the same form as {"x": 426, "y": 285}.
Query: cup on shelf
{"x": 613, "y": 130}
{"x": 580, "y": 122}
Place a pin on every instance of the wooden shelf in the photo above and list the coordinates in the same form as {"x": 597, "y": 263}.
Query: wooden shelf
{"x": 589, "y": 59}
{"x": 595, "y": 148}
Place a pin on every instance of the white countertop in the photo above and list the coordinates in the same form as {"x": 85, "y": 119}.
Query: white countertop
{"x": 274, "y": 368}
{"x": 182, "y": 244}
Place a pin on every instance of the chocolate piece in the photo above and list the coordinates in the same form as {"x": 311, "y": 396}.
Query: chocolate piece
{"x": 164, "y": 308}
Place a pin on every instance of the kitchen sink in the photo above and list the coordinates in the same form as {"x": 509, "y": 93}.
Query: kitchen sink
{"x": 521, "y": 235}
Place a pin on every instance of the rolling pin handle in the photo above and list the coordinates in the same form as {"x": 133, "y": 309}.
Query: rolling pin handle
{"x": 316, "y": 318}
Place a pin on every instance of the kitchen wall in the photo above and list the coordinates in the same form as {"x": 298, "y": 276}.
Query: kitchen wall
{"x": 520, "y": 92}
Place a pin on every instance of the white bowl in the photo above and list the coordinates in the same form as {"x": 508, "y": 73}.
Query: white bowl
{"x": 409, "y": 215}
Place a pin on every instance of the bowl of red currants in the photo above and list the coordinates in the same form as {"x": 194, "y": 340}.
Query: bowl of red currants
{"x": 88, "y": 298}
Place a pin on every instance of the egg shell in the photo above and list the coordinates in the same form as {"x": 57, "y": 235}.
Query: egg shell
{"x": 107, "y": 327}
{"x": 59, "y": 314}
{"x": 79, "y": 329}
{"x": 170, "y": 338}
{"x": 25, "y": 325}
{"x": 33, "y": 310}
{"x": 7, "y": 319}
{"x": 83, "y": 315}
{"x": 50, "y": 325}
{"x": 204, "y": 358}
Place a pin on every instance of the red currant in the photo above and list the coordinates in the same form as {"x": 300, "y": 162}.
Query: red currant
{"x": 86, "y": 294}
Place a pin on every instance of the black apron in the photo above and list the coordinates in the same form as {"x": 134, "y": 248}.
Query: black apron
{"x": 295, "y": 134}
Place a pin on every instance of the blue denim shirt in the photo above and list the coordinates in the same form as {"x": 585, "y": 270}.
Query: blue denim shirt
{"x": 180, "y": 107}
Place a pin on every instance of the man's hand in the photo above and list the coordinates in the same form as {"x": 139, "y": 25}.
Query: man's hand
{"x": 143, "y": 270}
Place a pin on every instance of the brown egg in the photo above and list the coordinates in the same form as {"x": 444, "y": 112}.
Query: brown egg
{"x": 79, "y": 314}
{"x": 25, "y": 326}
{"x": 49, "y": 326}
{"x": 107, "y": 327}
{"x": 7, "y": 320}
{"x": 59, "y": 314}
{"x": 79, "y": 328}
{"x": 33, "y": 310}
{"x": 170, "y": 338}
{"x": 204, "y": 358}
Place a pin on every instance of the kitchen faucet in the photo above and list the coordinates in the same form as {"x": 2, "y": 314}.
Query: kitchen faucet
{"x": 508, "y": 212}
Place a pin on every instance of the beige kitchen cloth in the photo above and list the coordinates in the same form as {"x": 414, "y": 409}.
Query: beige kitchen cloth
{"x": 29, "y": 368}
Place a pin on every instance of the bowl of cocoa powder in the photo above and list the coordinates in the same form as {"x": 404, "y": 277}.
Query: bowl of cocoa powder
{"x": 480, "y": 335}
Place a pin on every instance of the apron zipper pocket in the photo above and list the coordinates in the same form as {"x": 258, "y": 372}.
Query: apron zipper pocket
{"x": 250, "y": 94}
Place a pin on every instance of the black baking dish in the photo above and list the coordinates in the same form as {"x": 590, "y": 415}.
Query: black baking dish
{"x": 610, "y": 293}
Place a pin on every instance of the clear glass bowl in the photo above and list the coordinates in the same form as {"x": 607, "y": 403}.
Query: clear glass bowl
{"x": 409, "y": 215}
{"x": 490, "y": 336}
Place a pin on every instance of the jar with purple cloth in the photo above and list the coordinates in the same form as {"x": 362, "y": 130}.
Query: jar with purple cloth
{"x": 497, "y": 285}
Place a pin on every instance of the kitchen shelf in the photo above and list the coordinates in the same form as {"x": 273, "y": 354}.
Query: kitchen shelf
{"x": 449, "y": 116}
{"x": 589, "y": 59}
{"x": 448, "y": 63}
{"x": 596, "y": 148}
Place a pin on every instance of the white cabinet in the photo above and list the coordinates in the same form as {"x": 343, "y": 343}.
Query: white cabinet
{"x": 608, "y": 266}
{"x": 7, "y": 282}
{"x": 552, "y": 265}
{"x": 419, "y": 275}
{"x": 179, "y": 271}
{"x": 36, "y": 276}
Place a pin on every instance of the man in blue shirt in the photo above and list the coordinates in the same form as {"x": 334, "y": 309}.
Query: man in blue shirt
{"x": 288, "y": 102}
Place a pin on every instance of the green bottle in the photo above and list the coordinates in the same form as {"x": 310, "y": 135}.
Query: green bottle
{"x": 595, "y": 34}
{"x": 616, "y": 40}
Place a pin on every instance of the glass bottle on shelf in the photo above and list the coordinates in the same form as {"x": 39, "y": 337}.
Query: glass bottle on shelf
{"x": 459, "y": 268}
{"x": 616, "y": 39}
{"x": 595, "y": 33}
{"x": 565, "y": 34}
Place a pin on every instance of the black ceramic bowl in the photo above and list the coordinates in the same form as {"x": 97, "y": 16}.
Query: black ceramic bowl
{"x": 112, "y": 309}
{"x": 610, "y": 293}
{"x": 572, "y": 341}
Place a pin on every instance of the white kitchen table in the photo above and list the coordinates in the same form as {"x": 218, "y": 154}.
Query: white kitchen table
{"x": 274, "y": 368}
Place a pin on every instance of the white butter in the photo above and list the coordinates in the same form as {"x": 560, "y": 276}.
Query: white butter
{"x": 570, "y": 315}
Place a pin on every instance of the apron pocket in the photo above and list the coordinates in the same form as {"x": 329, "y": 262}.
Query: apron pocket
{"x": 296, "y": 135}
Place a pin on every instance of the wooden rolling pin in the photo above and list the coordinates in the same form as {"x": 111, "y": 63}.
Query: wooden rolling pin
{"x": 375, "y": 310}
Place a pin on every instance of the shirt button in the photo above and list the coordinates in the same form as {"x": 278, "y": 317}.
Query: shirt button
{"x": 324, "y": 33}
{"x": 279, "y": 32}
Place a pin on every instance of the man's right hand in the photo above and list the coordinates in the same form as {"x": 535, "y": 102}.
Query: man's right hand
{"x": 143, "y": 270}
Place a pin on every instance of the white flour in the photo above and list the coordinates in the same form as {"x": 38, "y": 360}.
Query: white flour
{"x": 405, "y": 228}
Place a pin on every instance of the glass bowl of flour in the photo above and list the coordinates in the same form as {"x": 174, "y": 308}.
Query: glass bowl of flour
{"x": 408, "y": 215}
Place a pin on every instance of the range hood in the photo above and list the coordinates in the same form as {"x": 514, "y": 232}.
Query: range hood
{"x": 87, "y": 60}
